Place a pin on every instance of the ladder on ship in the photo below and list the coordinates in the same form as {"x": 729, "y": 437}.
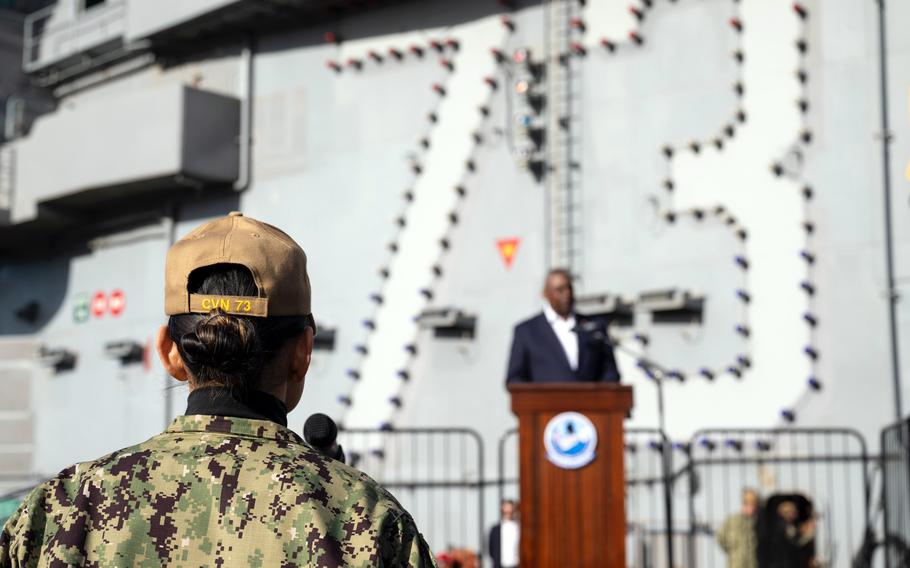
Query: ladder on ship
{"x": 563, "y": 150}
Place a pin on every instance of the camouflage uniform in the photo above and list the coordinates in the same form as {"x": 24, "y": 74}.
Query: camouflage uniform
{"x": 737, "y": 538}
{"x": 213, "y": 491}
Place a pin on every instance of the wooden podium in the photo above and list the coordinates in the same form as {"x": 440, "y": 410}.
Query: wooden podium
{"x": 571, "y": 515}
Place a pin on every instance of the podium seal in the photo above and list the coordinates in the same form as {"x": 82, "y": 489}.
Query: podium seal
{"x": 570, "y": 439}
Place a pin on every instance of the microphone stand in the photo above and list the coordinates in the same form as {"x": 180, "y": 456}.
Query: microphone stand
{"x": 649, "y": 366}
{"x": 657, "y": 373}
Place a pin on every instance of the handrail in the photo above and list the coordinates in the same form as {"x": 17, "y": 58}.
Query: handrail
{"x": 7, "y": 176}
{"x": 93, "y": 13}
{"x": 36, "y": 29}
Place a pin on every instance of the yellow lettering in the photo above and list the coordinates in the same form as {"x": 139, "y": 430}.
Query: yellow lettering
{"x": 228, "y": 305}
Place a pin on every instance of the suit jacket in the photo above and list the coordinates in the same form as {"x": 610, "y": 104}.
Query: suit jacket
{"x": 494, "y": 545}
{"x": 537, "y": 356}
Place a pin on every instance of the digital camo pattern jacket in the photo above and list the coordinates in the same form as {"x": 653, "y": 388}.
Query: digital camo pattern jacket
{"x": 216, "y": 492}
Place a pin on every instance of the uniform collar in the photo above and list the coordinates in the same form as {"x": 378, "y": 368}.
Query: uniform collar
{"x": 553, "y": 317}
{"x": 220, "y": 401}
{"x": 233, "y": 426}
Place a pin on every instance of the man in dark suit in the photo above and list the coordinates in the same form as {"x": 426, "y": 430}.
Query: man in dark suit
{"x": 504, "y": 536}
{"x": 558, "y": 345}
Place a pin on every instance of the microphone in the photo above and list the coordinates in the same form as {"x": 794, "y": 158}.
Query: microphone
{"x": 320, "y": 432}
{"x": 592, "y": 327}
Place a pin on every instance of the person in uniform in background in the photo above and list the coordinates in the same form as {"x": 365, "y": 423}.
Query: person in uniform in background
{"x": 737, "y": 536}
{"x": 559, "y": 346}
{"x": 227, "y": 484}
{"x": 505, "y": 536}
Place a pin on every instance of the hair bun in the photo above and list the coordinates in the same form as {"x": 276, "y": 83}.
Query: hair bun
{"x": 196, "y": 351}
{"x": 226, "y": 344}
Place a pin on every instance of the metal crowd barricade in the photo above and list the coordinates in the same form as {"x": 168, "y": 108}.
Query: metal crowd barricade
{"x": 677, "y": 498}
{"x": 436, "y": 474}
{"x": 827, "y": 467}
{"x": 652, "y": 492}
{"x": 507, "y": 482}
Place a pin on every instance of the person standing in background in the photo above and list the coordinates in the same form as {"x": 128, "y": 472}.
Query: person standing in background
{"x": 737, "y": 536}
{"x": 505, "y": 536}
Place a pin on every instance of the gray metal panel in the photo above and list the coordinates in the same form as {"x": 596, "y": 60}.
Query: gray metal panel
{"x": 113, "y": 405}
{"x": 41, "y": 281}
{"x": 15, "y": 382}
{"x": 147, "y": 135}
{"x": 209, "y": 140}
{"x": 17, "y": 431}
{"x": 146, "y": 17}
{"x": 15, "y": 462}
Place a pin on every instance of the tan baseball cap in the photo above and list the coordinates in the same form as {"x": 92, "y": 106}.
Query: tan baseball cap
{"x": 277, "y": 263}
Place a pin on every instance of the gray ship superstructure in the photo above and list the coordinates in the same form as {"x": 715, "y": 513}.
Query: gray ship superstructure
{"x": 711, "y": 170}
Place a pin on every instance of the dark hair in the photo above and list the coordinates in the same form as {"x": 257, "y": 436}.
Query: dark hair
{"x": 562, "y": 271}
{"x": 225, "y": 349}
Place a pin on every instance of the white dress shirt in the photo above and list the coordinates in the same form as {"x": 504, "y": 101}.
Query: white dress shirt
{"x": 565, "y": 333}
{"x": 508, "y": 542}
